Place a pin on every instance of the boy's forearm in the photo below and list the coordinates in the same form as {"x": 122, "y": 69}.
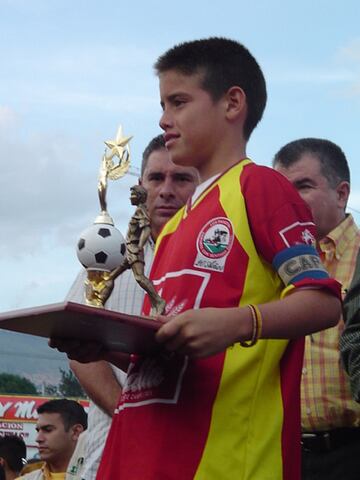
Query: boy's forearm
{"x": 208, "y": 331}
{"x": 301, "y": 313}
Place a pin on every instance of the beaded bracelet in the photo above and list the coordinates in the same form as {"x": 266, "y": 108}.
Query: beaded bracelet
{"x": 257, "y": 326}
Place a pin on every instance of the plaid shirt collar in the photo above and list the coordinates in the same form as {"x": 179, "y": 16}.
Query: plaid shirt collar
{"x": 336, "y": 242}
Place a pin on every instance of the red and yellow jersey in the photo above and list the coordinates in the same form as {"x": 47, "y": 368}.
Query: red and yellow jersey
{"x": 246, "y": 239}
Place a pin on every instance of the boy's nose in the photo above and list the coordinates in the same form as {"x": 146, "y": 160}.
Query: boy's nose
{"x": 165, "y": 121}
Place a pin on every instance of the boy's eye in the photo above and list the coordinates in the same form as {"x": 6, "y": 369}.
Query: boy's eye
{"x": 178, "y": 102}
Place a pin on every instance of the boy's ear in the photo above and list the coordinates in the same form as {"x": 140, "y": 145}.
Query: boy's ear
{"x": 235, "y": 103}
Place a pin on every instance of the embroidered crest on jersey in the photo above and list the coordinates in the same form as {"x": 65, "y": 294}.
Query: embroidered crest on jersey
{"x": 214, "y": 243}
{"x": 297, "y": 233}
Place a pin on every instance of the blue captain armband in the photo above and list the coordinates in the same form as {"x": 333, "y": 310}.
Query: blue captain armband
{"x": 299, "y": 262}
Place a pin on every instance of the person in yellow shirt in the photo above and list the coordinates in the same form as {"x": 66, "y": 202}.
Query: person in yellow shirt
{"x": 59, "y": 426}
{"x": 330, "y": 418}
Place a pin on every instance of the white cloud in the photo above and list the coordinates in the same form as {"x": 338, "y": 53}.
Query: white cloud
{"x": 349, "y": 55}
{"x": 343, "y": 69}
{"x": 311, "y": 75}
{"x": 71, "y": 98}
{"x": 350, "y": 52}
{"x": 47, "y": 196}
{"x": 8, "y": 118}
{"x": 101, "y": 77}
{"x": 100, "y": 59}
{"x": 82, "y": 62}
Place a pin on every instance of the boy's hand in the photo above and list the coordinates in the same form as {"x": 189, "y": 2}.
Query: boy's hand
{"x": 204, "y": 332}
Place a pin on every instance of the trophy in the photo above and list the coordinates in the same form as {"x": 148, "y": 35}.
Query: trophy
{"x": 102, "y": 249}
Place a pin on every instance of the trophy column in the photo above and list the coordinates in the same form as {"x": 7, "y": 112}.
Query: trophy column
{"x": 102, "y": 249}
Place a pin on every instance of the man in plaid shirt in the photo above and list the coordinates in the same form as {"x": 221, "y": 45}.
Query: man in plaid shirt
{"x": 330, "y": 418}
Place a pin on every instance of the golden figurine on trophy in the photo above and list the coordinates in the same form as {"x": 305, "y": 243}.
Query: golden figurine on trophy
{"x": 102, "y": 249}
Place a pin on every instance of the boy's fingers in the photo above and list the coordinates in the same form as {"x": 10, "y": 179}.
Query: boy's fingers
{"x": 162, "y": 318}
{"x": 168, "y": 330}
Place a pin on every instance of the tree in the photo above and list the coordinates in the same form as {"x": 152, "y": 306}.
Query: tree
{"x": 15, "y": 384}
{"x": 51, "y": 390}
{"x": 69, "y": 385}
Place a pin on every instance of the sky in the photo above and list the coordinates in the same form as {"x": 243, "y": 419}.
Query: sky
{"x": 72, "y": 71}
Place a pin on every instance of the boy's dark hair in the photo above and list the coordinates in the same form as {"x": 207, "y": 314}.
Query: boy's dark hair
{"x": 333, "y": 164}
{"x": 70, "y": 411}
{"x": 224, "y": 63}
{"x": 157, "y": 143}
{"x": 13, "y": 451}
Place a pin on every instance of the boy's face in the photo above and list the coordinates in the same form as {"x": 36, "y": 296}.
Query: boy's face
{"x": 193, "y": 123}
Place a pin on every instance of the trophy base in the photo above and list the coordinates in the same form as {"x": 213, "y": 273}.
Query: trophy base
{"x": 116, "y": 331}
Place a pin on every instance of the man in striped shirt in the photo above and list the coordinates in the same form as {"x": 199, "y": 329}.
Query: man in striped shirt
{"x": 168, "y": 187}
{"x": 330, "y": 418}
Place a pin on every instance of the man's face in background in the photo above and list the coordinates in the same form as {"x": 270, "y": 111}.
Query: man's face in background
{"x": 168, "y": 187}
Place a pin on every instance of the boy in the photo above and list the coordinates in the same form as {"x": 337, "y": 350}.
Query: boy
{"x": 211, "y": 408}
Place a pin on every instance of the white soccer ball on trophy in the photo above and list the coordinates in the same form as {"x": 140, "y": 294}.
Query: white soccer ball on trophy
{"x": 101, "y": 247}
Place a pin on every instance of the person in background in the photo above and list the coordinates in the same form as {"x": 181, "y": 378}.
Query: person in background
{"x": 32, "y": 464}
{"x": 59, "y": 425}
{"x": 330, "y": 418}
{"x": 168, "y": 188}
{"x": 12, "y": 456}
{"x": 350, "y": 338}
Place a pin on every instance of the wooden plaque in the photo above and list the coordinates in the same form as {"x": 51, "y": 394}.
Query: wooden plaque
{"x": 117, "y": 331}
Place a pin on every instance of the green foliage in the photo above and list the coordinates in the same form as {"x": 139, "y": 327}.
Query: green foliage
{"x": 51, "y": 390}
{"x": 69, "y": 385}
{"x": 15, "y": 384}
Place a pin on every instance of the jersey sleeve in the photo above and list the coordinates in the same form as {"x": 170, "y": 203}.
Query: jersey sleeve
{"x": 283, "y": 229}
